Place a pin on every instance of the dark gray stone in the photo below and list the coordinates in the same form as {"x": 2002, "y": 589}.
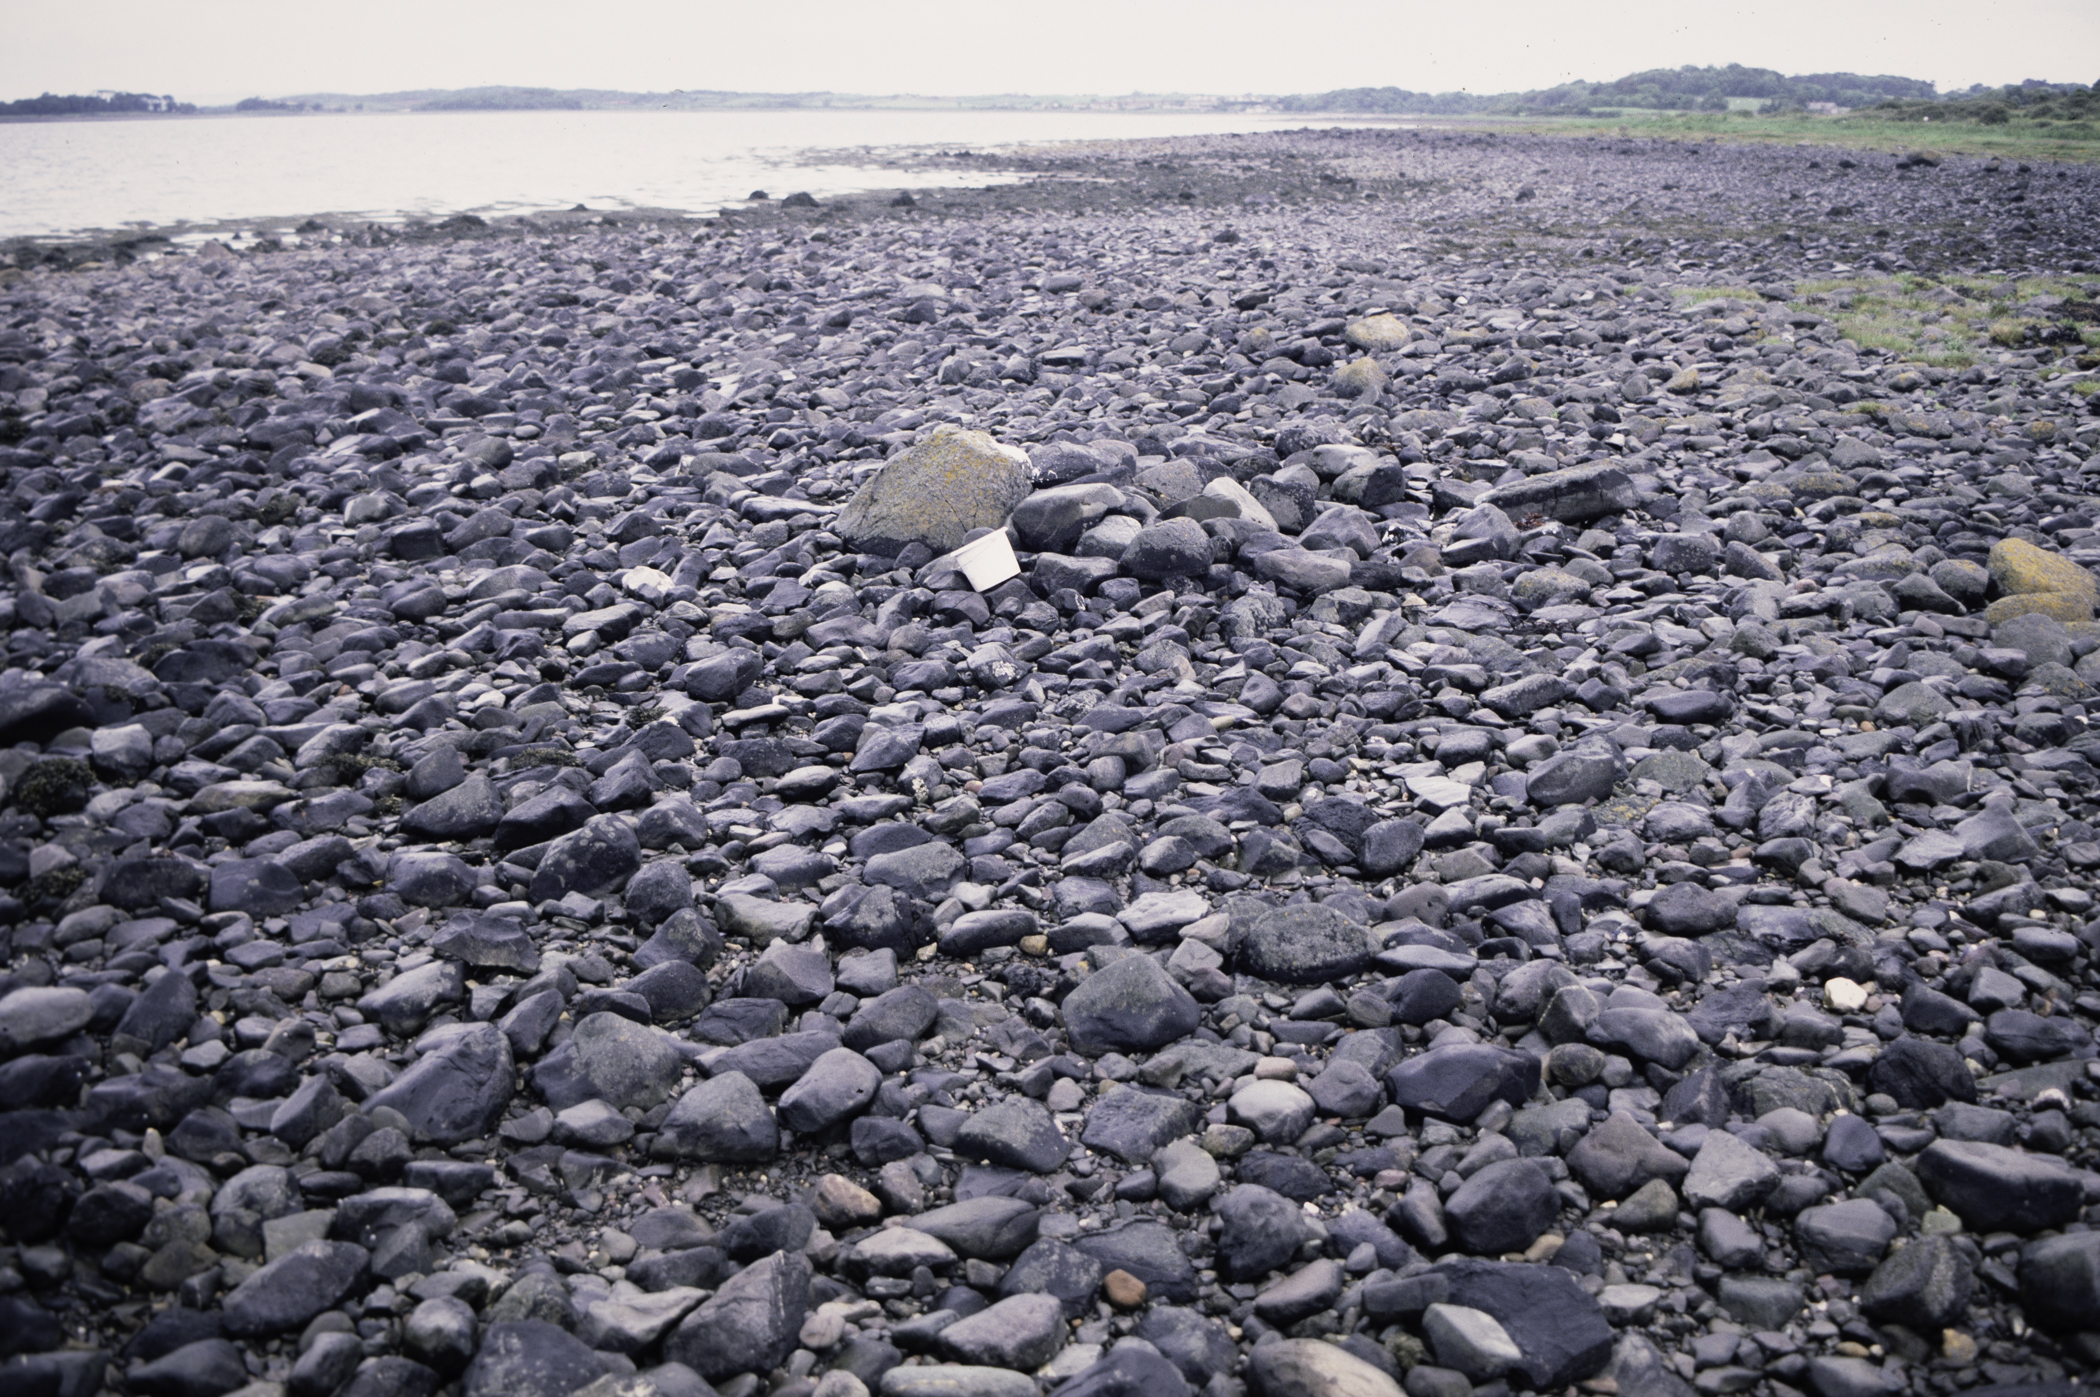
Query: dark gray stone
{"x": 1195, "y": 1345}
{"x": 793, "y": 974}
{"x": 1170, "y": 548}
{"x": 662, "y": 889}
{"x": 599, "y": 858}
{"x": 1422, "y": 995}
{"x": 1619, "y": 1156}
{"x": 1571, "y": 778}
{"x": 613, "y": 1059}
{"x": 530, "y": 1358}
{"x": 2059, "y": 1281}
{"x": 903, "y": 1014}
{"x": 260, "y": 887}
{"x": 987, "y": 1228}
{"x": 1129, "y": 1005}
{"x": 838, "y": 1086}
{"x": 1304, "y": 945}
{"x": 1561, "y": 1331}
{"x": 1995, "y": 1189}
{"x": 550, "y": 814}
{"x": 1262, "y": 1230}
{"x": 202, "y": 1369}
{"x": 1017, "y": 1133}
{"x": 1852, "y": 1145}
{"x": 924, "y": 872}
{"x": 1149, "y": 1250}
{"x": 1574, "y": 495}
{"x": 1503, "y": 1207}
{"x": 288, "y": 1292}
{"x": 1126, "y": 1371}
{"x": 429, "y": 880}
{"x": 1055, "y": 1269}
{"x": 1844, "y": 1239}
{"x": 1925, "y": 1285}
{"x": 749, "y": 1325}
{"x": 1457, "y": 1081}
{"x": 458, "y": 1088}
{"x": 1762, "y": 1302}
{"x": 466, "y": 811}
{"x": 723, "y": 1120}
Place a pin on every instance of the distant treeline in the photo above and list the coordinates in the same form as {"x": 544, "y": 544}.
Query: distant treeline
{"x": 1668, "y": 89}
{"x": 2030, "y": 100}
{"x": 51, "y": 104}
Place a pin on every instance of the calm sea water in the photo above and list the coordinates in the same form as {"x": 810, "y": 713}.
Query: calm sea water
{"x": 206, "y": 172}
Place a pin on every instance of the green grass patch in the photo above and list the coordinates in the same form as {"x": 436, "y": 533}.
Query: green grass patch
{"x": 2007, "y": 293}
{"x": 1693, "y": 295}
{"x": 2016, "y": 139}
{"x": 1901, "y": 315}
{"x": 1946, "y": 321}
{"x": 1916, "y": 318}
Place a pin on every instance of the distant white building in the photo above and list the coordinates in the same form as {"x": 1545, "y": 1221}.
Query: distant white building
{"x": 1827, "y": 109}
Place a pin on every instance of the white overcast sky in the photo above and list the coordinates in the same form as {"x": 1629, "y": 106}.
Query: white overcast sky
{"x": 218, "y": 50}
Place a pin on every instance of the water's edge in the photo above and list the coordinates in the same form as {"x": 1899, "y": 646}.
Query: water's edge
{"x": 140, "y": 184}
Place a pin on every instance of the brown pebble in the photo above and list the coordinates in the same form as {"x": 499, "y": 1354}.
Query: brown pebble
{"x": 838, "y": 1201}
{"x": 1125, "y": 1291}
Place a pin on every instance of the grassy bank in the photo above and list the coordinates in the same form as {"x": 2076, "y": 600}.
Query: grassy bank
{"x": 2012, "y": 140}
{"x": 1945, "y": 322}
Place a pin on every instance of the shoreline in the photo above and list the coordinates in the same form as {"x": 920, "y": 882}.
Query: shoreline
{"x": 1523, "y": 817}
{"x": 855, "y": 171}
{"x": 1054, "y": 158}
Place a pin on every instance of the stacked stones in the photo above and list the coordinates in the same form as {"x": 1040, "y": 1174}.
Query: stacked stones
{"x": 1513, "y": 829}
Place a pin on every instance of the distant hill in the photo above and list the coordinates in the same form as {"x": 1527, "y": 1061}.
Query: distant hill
{"x": 1665, "y": 89}
{"x": 1688, "y": 89}
{"x": 505, "y": 99}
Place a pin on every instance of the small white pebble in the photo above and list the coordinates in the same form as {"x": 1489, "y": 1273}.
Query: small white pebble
{"x": 1845, "y": 996}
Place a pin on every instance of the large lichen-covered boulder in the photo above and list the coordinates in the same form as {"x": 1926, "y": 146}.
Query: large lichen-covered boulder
{"x": 935, "y": 493}
{"x": 2033, "y": 580}
{"x": 1361, "y": 378}
{"x": 1380, "y": 333}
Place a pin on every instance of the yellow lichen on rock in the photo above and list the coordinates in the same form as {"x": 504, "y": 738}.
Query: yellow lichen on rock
{"x": 1361, "y": 378}
{"x": 2031, "y": 579}
{"x": 1378, "y": 334}
{"x": 936, "y": 493}
{"x": 1545, "y": 586}
{"x": 2019, "y": 568}
{"x": 2064, "y": 606}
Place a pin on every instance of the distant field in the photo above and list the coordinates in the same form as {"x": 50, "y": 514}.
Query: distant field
{"x": 2014, "y": 140}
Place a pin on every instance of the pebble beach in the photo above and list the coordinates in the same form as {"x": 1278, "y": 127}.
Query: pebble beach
{"x": 1515, "y": 822}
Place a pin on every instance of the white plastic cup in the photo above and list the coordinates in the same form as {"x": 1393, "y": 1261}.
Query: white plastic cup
{"x": 987, "y": 561}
